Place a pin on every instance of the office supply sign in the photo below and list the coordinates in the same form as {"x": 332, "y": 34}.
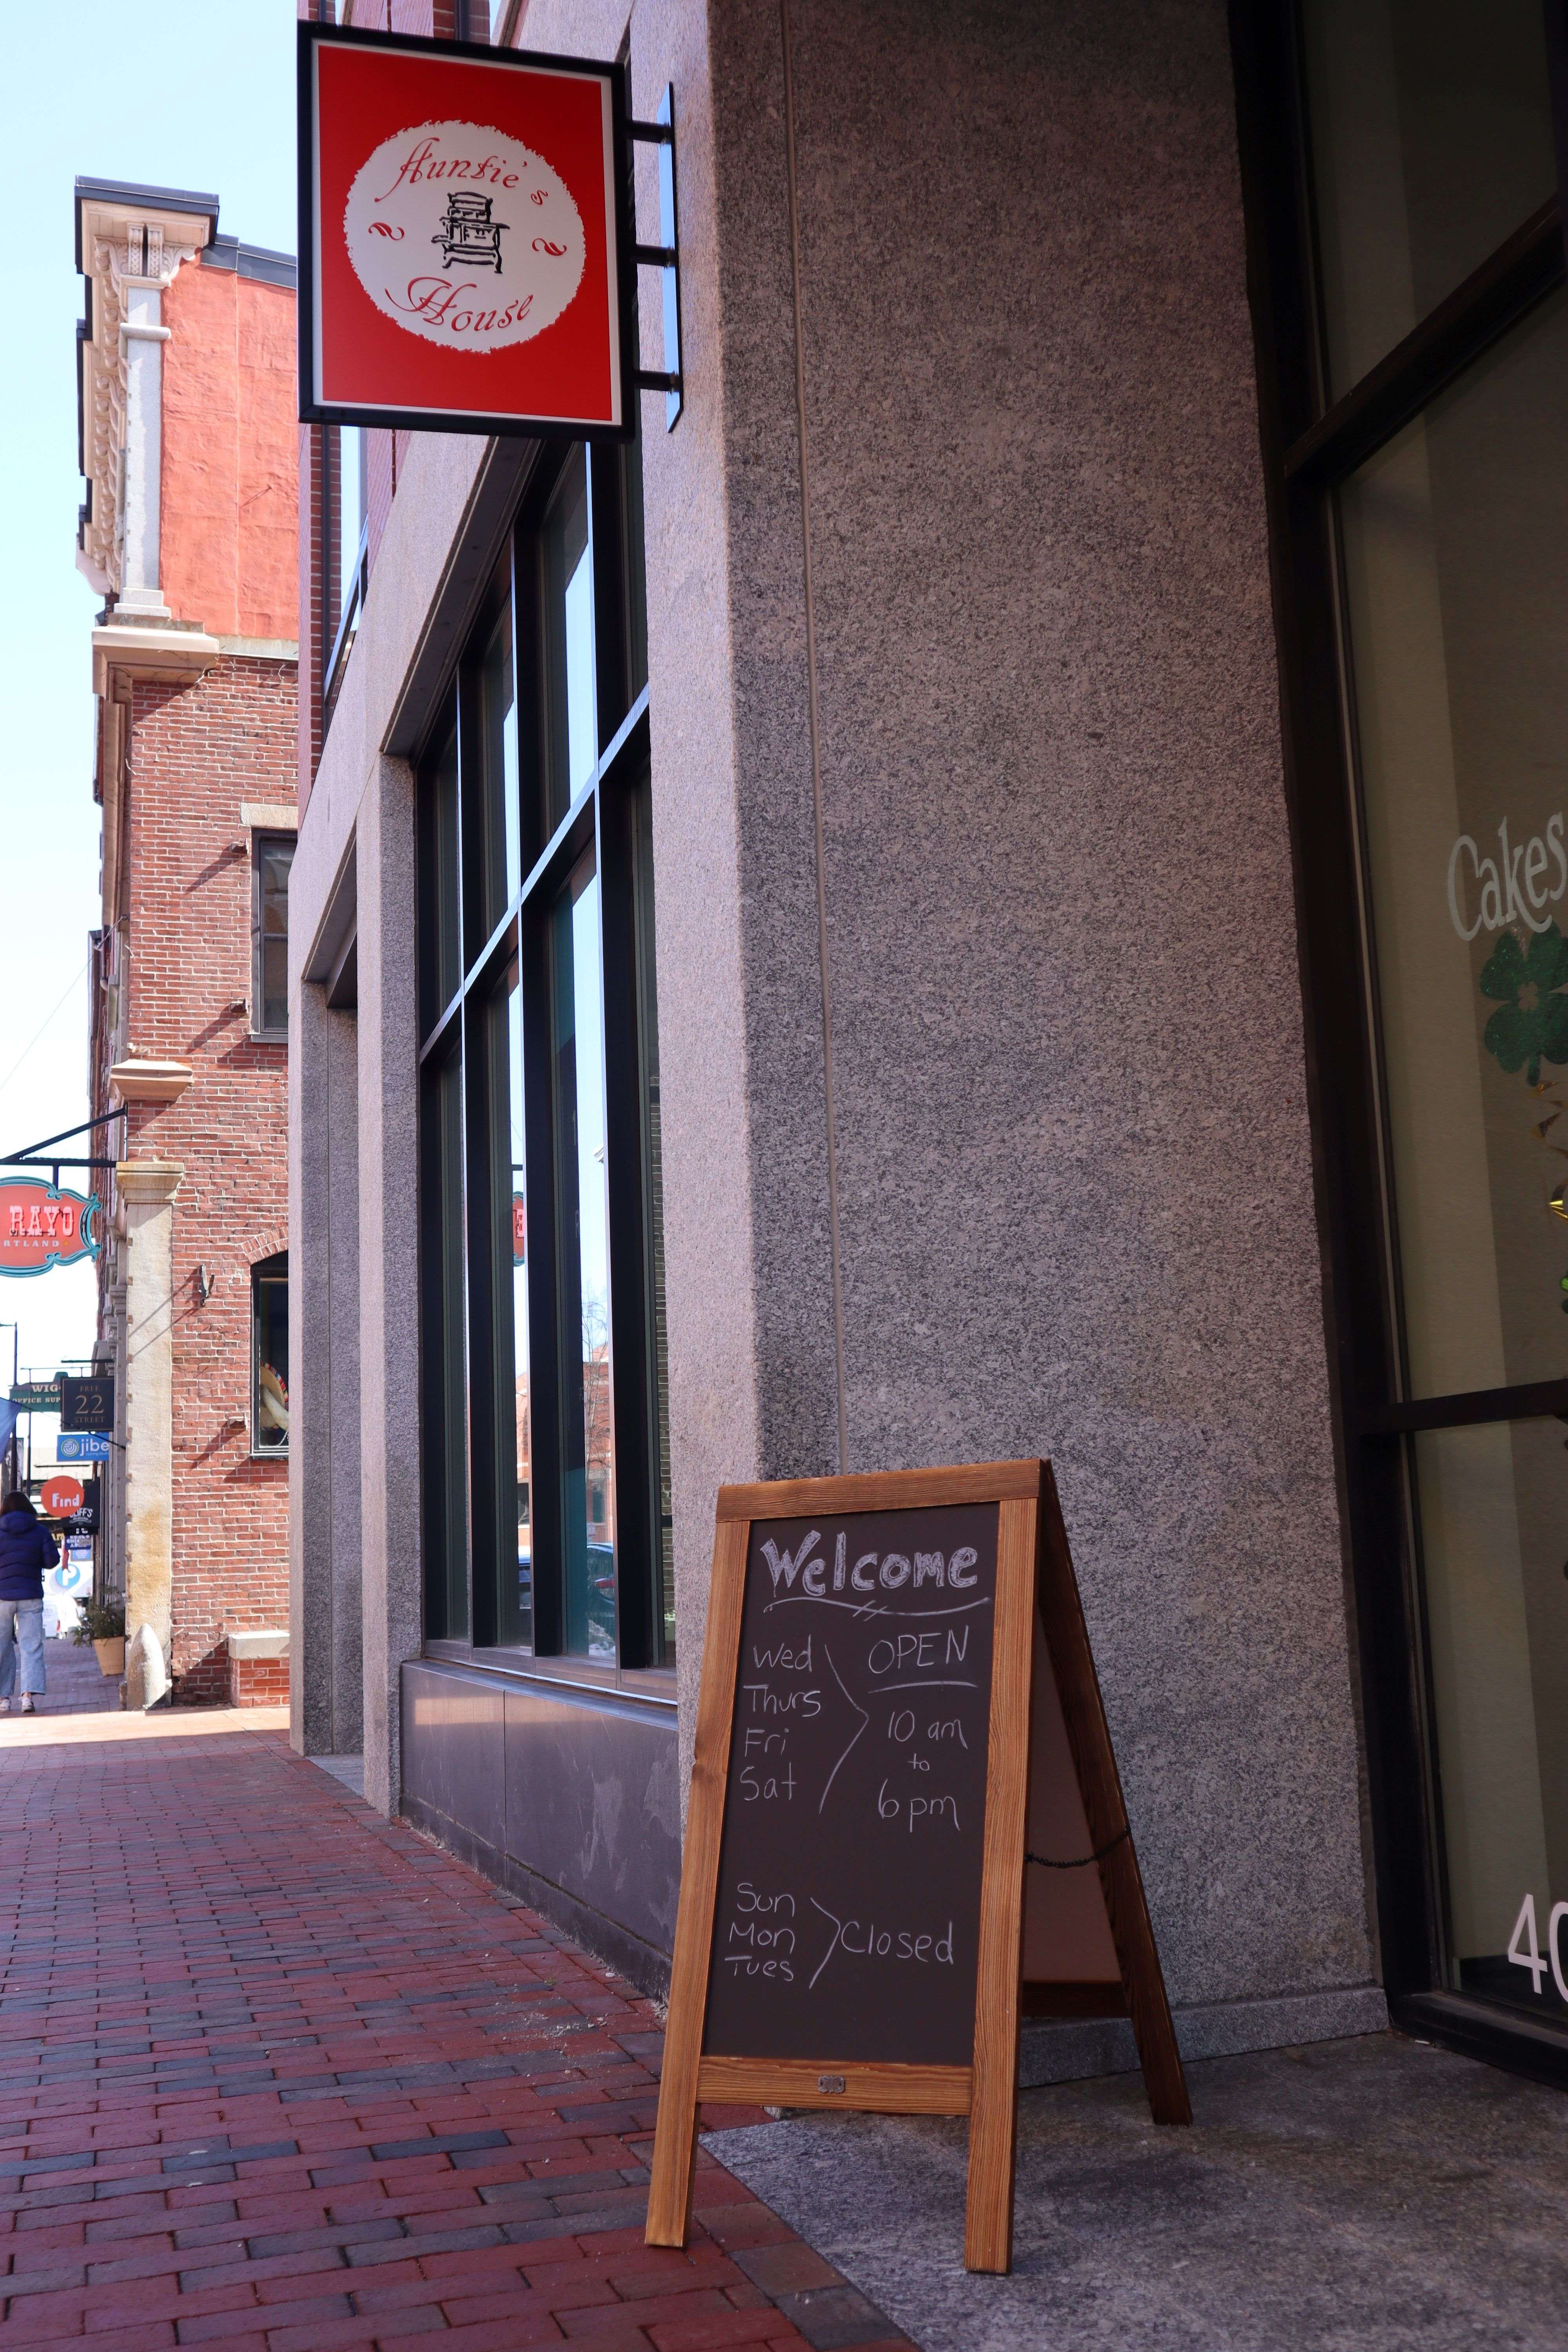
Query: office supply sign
{"x": 461, "y": 239}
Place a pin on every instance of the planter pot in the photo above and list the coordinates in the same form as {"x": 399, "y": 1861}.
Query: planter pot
{"x": 110, "y": 1656}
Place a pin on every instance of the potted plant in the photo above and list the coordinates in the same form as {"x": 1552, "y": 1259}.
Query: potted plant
{"x": 102, "y": 1622}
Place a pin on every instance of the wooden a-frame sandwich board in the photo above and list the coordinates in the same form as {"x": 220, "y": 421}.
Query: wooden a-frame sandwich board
{"x": 1036, "y": 1606}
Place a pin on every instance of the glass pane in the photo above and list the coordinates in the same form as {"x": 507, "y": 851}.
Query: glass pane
{"x": 276, "y": 858}
{"x": 493, "y": 839}
{"x": 1456, "y": 542}
{"x": 653, "y": 1209}
{"x": 497, "y": 1320}
{"x": 588, "y": 1508}
{"x": 269, "y": 1419}
{"x": 443, "y": 1395}
{"x": 351, "y": 511}
{"x": 572, "y": 733}
{"x": 440, "y": 927}
{"x": 1494, "y": 1531}
{"x": 521, "y": 1420}
{"x": 1431, "y": 142}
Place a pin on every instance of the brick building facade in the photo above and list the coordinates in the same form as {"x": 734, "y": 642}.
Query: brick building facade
{"x": 189, "y": 533}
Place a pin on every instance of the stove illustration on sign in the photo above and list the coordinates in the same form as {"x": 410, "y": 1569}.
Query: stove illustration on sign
{"x": 468, "y": 235}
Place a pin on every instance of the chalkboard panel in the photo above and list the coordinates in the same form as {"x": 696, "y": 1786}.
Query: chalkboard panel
{"x": 847, "y": 1918}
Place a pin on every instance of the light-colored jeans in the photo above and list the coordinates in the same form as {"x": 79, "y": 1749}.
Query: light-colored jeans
{"x": 22, "y": 1634}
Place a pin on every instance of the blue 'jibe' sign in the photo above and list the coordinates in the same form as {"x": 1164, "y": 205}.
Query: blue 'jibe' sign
{"x": 81, "y": 1449}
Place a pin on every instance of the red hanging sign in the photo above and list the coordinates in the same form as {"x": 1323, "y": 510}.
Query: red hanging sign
{"x": 40, "y": 1228}
{"x": 465, "y": 241}
{"x": 62, "y": 1495}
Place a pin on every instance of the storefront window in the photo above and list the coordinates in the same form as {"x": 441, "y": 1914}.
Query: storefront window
{"x": 1455, "y": 559}
{"x": 543, "y": 1360}
{"x": 1413, "y": 280}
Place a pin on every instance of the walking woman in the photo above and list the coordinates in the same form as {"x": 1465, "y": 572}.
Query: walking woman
{"x": 27, "y": 1550}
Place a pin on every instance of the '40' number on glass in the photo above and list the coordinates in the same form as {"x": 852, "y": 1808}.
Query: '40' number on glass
{"x": 1524, "y": 1946}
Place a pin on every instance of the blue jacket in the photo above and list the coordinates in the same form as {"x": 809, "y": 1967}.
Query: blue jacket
{"x": 26, "y": 1550}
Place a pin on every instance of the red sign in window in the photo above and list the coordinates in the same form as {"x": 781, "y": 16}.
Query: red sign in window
{"x": 460, "y": 239}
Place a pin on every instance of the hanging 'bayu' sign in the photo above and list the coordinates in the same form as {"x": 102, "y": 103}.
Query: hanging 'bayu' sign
{"x": 463, "y": 236}
{"x": 897, "y": 1686}
{"x": 41, "y": 1228}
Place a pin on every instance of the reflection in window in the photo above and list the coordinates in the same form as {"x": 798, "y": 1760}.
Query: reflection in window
{"x": 498, "y": 1319}
{"x": 1456, "y": 540}
{"x": 573, "y": 734}
{"x": 653, "y": 1235}
{"x": 270, "y": 984}
{"x": 520, "y": 1415}
{"x": 492, "y": 837}
{"x": 587, "y": 1498}
{"x": 1494, "y": 1527}
{"x": 348, "y": 486}
{"x": 1431, "y": 143}
{"x": 270, "y": 1355}
{"x": 445, "y": 1451}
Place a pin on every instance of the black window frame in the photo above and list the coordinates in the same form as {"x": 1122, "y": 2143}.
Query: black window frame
{"x": 603, "y": 816}
{"x": 1309, "y": 446}
{"x": 263, "y": 839}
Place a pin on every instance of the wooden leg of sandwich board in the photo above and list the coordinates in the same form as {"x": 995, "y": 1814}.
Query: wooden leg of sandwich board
{"x": 1089, "y": 1735}
{"x": 675, "y": 2134}
{"x": 671, "y": 2175}
{"x": 994, "y": 2113}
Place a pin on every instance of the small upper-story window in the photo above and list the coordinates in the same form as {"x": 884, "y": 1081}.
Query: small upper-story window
{"x": 270, "y": 1355}
{"x": 270, "y": 980}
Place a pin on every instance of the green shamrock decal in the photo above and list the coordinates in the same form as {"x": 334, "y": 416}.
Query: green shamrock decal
{"x": 1531, "y": 1024}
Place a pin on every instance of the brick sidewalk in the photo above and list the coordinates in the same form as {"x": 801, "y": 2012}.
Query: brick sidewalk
{"x": 279, "y": 2075}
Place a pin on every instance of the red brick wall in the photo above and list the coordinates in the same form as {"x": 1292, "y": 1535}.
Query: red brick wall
{"x": 258, "y": 1682}
{"x": 228, "y": 522}
{"x": 196, "y": 753}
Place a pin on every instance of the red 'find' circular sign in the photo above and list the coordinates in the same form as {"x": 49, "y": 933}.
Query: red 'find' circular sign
{"x": 61, "y": 1497}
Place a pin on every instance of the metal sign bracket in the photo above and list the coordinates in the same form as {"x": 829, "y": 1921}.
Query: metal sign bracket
{"x": 663, "y": 257}
{"x": 38, "y": 1155}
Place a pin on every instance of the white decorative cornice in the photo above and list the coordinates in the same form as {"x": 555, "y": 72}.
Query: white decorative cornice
{"x": 145, "y": 1182}
{"x": 129, "y": 255}
{"x": 145, "y": 1080}
{"x": 155, "y": 650}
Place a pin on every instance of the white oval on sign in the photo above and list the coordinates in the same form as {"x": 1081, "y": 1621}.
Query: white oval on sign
{"x": 464, "y": 235}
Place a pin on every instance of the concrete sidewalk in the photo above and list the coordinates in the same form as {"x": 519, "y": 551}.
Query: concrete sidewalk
{"x": 1352, "y": 2195}
{"x": 279, "y": 2075}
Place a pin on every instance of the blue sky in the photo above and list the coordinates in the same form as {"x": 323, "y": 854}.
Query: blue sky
{"x": 182, "y": 93}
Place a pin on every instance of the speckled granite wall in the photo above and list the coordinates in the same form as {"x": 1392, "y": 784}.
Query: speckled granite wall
{"x": 1074, "y": 1194}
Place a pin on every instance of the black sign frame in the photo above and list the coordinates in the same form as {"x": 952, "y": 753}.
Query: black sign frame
{"x": 86, "y": 1405}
